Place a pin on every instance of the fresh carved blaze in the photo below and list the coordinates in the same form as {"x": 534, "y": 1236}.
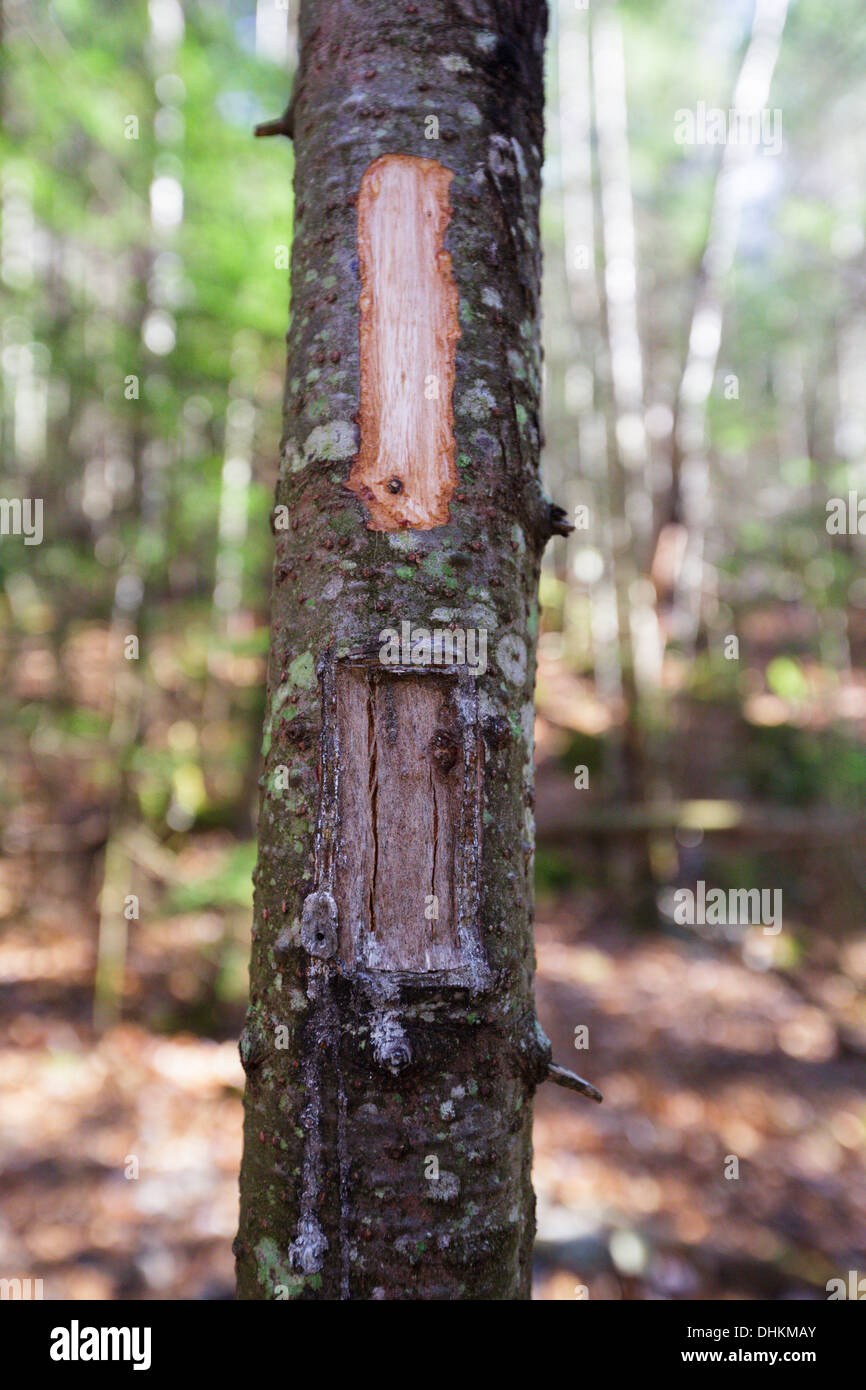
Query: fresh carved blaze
{"x": 405, "y": 471}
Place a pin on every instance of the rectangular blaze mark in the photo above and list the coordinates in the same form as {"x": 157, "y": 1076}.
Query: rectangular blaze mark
{"x": 405, "y": 471}
{"x": 407, "y": 803}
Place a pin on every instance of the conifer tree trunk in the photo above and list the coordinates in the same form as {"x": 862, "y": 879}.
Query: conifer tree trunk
{"x": 391, "y": 1045}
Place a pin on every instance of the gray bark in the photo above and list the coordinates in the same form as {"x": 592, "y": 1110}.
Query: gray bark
{"x": 385, "y": 1070}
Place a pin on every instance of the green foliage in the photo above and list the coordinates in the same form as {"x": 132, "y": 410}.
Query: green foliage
{"x": 554, "y": 872}
{"x": 150, "y": 308}
{"x": 231, "y": 883}
{"x": 801, "y": 767}
{"x": 584, "y": 750}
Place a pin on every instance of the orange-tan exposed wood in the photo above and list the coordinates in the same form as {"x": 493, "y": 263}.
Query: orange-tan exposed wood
{"x": 405, "y": 471}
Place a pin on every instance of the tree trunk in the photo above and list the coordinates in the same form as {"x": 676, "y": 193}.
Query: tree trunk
{"x": 391, "y": 1045}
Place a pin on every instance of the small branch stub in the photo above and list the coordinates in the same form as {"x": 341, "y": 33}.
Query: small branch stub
{"x": 558, "y": 523}
{"x": 281, "y": 125}
{"x": 571, "y": 1082}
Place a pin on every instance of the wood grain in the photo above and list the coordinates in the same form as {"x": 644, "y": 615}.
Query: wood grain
{"x": 401, "y": 793}
{"x": 405, "y": 471}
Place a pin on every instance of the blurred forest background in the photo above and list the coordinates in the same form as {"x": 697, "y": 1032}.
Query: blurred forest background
{"x": 705, "y": 341}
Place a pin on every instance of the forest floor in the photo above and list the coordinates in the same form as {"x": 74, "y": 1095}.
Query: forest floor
{"x": 726, "y": 1160}
{"x": 121, "y": 1151}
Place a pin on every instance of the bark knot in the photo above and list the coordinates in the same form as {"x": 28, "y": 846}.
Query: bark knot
{"x": 391, "y": 1047}
{"x": 319, "y": 925}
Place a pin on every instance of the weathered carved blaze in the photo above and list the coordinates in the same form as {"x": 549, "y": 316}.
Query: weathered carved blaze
{"x": 408, "y": 821}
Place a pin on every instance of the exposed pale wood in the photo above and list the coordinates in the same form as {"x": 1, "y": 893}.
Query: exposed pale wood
{"x": 402, "y": 784}
{"x": 405, "y": 471}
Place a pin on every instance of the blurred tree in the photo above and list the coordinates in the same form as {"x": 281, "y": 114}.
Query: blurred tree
{"x": 140, "y": 400}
